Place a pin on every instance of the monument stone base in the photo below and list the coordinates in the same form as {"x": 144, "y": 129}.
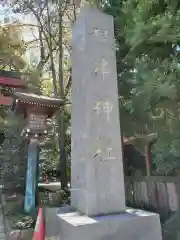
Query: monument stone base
{"x": 131, "y": 225}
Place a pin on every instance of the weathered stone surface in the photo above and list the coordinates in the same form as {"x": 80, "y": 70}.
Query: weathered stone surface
{"x": 130, "y": 225}
{"x": 52, "y": 223}
{"x": 97, "y": 178}
{"x": 2, "y": 234}
{"x": 25, "y": 234}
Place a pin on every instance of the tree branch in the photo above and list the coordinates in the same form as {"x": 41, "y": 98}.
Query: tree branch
{"x": 68, "y": 86}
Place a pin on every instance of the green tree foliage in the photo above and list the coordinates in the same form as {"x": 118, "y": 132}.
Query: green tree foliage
{"x": 13, "y": 156}
{"x": 13, "y": 162}
{"x": 54, "y": 19}
{"x": 13, "y": 153}
{"x": 147, "y": 37}
{"x": 12, "y": 48}
{"x": 49, "y": 155}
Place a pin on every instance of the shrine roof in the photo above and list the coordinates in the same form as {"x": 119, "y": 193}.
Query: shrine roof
{"x": 128, "y": 141}
{"x": 12, "y": 74}
{"x": 31, "y": 98}
{"x": 12, "y": 79}
{"x": 143, "y": 138}
{"x": 5, "y": 100}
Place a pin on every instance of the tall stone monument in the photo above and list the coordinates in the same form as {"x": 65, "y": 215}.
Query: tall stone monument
{"x": 97, "y": 170}
{"x": 98, "y": 210}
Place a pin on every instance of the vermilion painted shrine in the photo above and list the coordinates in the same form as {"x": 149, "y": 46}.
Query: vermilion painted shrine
{"x": 9, "y": 80}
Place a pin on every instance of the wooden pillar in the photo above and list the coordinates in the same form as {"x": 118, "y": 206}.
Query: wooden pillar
{"x": 148, "y": 157}
{"x": 122, "y": 146}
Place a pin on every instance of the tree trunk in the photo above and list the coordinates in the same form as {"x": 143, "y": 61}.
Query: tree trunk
{"x": 62, "y": 124}
{"x": 53, "y": 70}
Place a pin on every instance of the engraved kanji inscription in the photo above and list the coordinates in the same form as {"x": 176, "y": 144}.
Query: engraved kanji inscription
{"x": 103, "y": 107}
{"x": 107, "y": 109}
{"x": 97, "y": 108}
{"x": 105, "y": 155}
{"x": 101, "y": 69}
{"x": 110, "y": 155}
{"x": 101, "y": 34}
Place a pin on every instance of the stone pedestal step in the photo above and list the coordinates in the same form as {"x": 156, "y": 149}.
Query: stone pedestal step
{"x": 2, "y": 236}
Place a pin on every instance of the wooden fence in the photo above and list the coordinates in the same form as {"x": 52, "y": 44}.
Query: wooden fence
{"x": 156, "y": 193}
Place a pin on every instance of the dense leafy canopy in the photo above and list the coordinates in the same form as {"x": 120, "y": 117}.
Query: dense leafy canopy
{"x": 148, "y": 37}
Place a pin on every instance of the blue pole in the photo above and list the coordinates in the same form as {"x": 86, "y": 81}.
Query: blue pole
{"x": 31, "y": 177}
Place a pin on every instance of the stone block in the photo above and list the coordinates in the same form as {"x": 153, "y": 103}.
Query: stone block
{"x": 24, "y": 234}
{"x": 131, "y": 225}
